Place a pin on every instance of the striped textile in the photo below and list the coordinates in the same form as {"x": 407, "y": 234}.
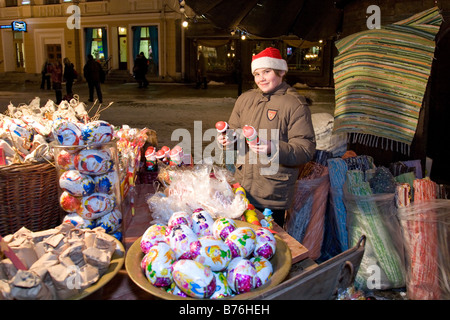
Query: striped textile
{"x": 380, "y": 80}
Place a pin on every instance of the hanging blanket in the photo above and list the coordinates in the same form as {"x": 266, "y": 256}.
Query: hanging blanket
{"x": 380, "y": 80}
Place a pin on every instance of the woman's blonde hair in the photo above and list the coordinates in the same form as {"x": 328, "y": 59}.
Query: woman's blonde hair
{"x": 66, "y": 60}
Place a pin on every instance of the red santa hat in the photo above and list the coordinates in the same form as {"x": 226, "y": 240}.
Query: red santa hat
{"x": 269, "y": 58}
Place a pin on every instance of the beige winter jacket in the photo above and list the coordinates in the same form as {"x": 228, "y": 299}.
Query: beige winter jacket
{"x": 269, "y": 180}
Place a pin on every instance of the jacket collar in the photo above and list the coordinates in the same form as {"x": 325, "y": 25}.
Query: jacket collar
{"x": 280, "y": 90}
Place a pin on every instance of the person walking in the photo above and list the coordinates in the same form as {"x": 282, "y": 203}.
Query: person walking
{"x": 56, "y": 71}
{"x": 201, "y": 72}
{"x": 69, "y": 76}
{"x": 94, "y": 75}
{"x": 46, "y": 75}
{"x": 140, "y": 70}
{"x": 268, "y": 166}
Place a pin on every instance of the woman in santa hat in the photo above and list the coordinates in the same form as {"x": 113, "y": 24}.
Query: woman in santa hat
{"x": 268, "y": 167}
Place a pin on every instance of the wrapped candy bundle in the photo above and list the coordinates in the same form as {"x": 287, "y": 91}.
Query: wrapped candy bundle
{"x": 373, "y": 215}
{"x": 422, "y": 241}
{"x": 89, "y": 176}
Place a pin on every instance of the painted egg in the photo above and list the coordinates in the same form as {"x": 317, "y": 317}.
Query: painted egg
{"x": 242, "y": 276}
{"x": 180, "y": 217}
{"x": 93, "y": 162}
{"x": 154, "y": 234}
{"x": 266, "y": 243}
{"x": 98, "y": 131}
{"x": 180, "y": 239}
{"x": 264, "y": 268}
{"x": 223, "y": 290}
{"x": 222, "y": 227}
{"x": 111, "y": 222}
{"x": 241, "y": 242}
{"x": 106, "y": 182}
{"x": 69, "y": 203}
{"x": 76, "y": 184}
{"x": 96, "y": 205}
{"x": 78, "y": 221}
{"x": 65, "y": 160}
{"x": 194, "y": 278}
{"x": 202, "y": 223}
{"x": 211, "y": 252}
{"x": 158, "y": 263}
{"x": 67, "y": 133}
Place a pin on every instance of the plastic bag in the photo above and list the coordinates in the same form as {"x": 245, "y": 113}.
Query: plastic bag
{"x": 307, "y": 217}
{"x": 187, "y": 189}
{"x": 426, "y": 231}
{"x": 375, "y": 215}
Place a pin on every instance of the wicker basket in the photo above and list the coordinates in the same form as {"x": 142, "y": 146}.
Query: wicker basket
{"x": 29, "y": 197}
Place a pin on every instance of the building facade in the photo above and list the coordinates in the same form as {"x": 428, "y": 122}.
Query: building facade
{"x": 113, "y": 31}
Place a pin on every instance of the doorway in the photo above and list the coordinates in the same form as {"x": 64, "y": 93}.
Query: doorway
{"x": 123, "y": 48}
{"x": 19, "y": 52}
{"x": 53, "y": 52}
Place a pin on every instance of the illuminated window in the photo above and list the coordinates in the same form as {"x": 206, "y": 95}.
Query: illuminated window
{"x": 219, "y": 56}
{"x": 97, "y": 44}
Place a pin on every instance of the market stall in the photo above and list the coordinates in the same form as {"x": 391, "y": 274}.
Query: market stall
{"x": 115, "y": 216}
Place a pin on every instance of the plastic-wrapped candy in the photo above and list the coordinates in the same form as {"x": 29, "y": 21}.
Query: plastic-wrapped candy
{"x": 158, "y": 263}
{"x": 211, "y": 252}
{"x": 180, "y": 217}
{"x": 39, "y": 124}
{"x": 194, "y": 279}
{"x": 222, "y": 227}
{"x": 242, "y": 275}
{"x": 20, "y": 133}
{"x": 94, "y": 162}
{"x": 76, "y": 184}
{"x": 180, "y": 239}
{"x": 266, "y": 243}
{"x": 65, "y": 160}
{"x": 69, "y": 203}
{"x": 106, "y": 183}
{"x": 242, "y": 242}
{"x": 176, "y": 156}
{"x": 264, "y": 268}
{"x": 79, "y": 222}
{"x": 67, "y": 133}
{"x": 96, "y": 205}
{"x": 202, "y": 223}
{"x": 173, "y": 289}
{"x": 98, "y": 131}
{"x": 223, "y": 290}
{"x": 154, "y": 234}
{"x": 150, "y": 159}
{"x": 111, "y": 221}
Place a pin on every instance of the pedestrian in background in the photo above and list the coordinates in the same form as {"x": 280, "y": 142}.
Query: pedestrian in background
{"x": 201, "y": 72}
{"x": 45, "y": 72}
{"x": 94, "y": 75}
{"x": 56, "y": 71}
{"x": 274, "y": 107}
{"x": 69, "y": 76}
{"x": 140, "y": 70}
